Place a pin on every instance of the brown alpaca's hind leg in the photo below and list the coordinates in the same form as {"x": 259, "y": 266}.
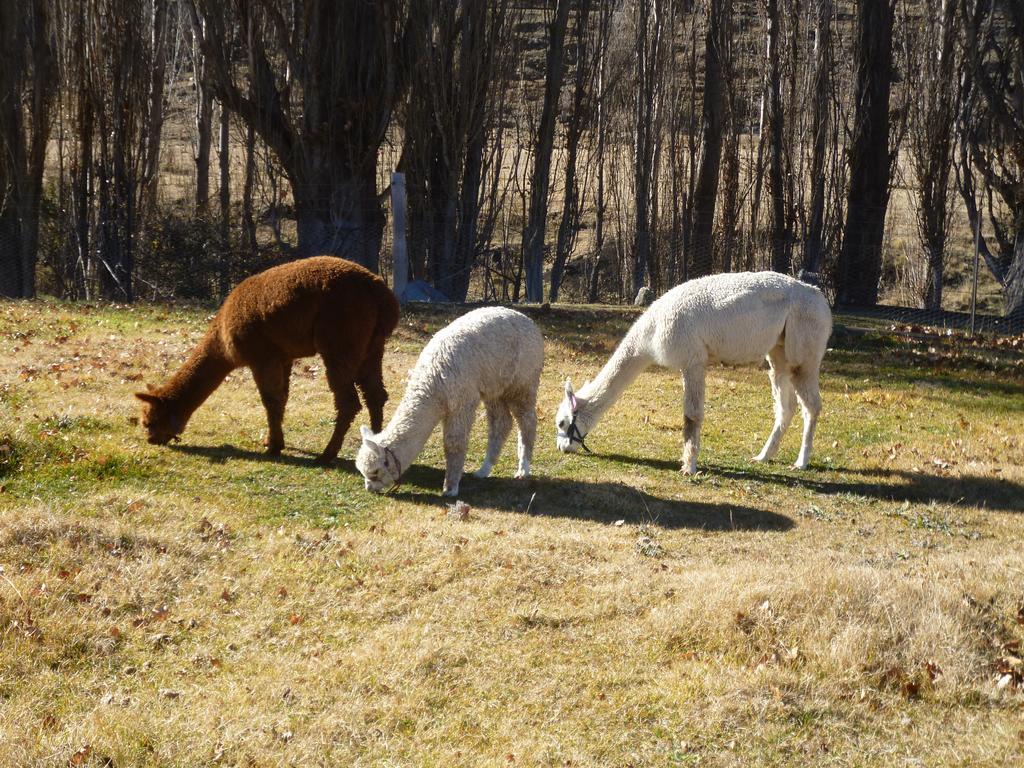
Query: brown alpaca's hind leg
{"x": 346, "y": 401}
{"x": 371, "y": 383}
{"x": 272, "y": 380}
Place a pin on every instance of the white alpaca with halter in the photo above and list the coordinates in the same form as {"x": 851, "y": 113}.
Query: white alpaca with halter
{"x": 735, "y": 319}
{"x": 492, "y": 354}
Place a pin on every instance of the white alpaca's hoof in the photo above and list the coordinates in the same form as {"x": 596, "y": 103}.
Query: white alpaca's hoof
{"x": 484, "y": 471}
{"x": 798, "y": 464}
{"x": 688, "y": 470}
{"x": 520, "y": 474}
{"x": 450, "y": 491}
{"x": 760, "y": 458}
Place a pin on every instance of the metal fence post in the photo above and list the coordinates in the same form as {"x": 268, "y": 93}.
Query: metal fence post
{"x": 400, "y": 254}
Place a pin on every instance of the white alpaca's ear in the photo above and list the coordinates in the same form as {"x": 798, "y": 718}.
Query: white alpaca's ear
{"x": 367, "y": 435}
{"x": 568, "y": 388}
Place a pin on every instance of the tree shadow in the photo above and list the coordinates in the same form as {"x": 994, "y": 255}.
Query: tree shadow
{"x": 601, "y": 502}
{"x": 916, "y": 487}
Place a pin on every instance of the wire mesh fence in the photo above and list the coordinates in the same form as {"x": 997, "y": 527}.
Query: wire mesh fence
{"x": 176, "y": 254}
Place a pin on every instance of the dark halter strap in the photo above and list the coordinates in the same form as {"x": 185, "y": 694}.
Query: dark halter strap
{"x": 398, "y": 466}
{"x": 574, "y": 434}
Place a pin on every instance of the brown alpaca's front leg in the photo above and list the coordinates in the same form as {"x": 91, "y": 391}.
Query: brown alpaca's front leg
{"x": 346, "y": 401}
{"x": 272, "y": 382}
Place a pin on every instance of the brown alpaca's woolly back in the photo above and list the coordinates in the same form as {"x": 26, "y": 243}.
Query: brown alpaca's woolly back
{"x": 320, "y": 305}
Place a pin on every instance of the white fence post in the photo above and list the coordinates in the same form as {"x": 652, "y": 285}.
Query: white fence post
{"x": 400, "y": 254}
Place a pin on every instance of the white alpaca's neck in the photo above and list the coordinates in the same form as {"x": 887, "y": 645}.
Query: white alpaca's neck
{"x": 410, "y": 427}
{"x": 629, "y": 360}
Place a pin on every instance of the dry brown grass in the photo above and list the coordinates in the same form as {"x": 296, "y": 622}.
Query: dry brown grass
{"x": 200, "y": 605}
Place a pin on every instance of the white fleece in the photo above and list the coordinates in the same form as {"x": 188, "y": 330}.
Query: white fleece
{"x": 733, "y": 318}
{"x": 492, "y": 354}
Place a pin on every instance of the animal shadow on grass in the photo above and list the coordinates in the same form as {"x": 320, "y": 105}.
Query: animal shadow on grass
{"x": 220, "y": 454}
{"x": 601, "y": 502}
{"x": 894, "y": 485}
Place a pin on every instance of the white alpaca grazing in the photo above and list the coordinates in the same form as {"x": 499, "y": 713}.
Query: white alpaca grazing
{"x": 734, "y": 318}
{"x": 492, "y": 354}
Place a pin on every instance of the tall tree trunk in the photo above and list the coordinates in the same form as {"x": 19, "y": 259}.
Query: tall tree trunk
{"x": 569, "y": 223}
{"x": 731, "y": 203}
{"x": 204, "y": 131}
{"x": 705, "y": 194}
{"x": 82, "y": 177}
{"x": 534, "y": 236}
{"x": 224, "y": 150}
{"x": 248, "y": 214}
{"x": 27, "y": 84}
{"x": 776, "y": 183}
{"x": 648, "y": 45}
{"x": 814, "y": 246}
{"x": 860, "y": 259}
{"x": 992, "y": 140}
{"x": 932, "y": 147}
{"x": 339, "y": 216}
{"x": 600, "y": 128}
{"x": 155, "y": 122}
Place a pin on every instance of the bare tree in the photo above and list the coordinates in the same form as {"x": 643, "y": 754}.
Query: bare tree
{"x": 204, "y": 123}
{"x": 153, "y": 135}
{"x": 731, "y": 197}
{"x": 581, "y": 100}
{"x": 705, "y": 193}
{"x": 121, "y": 84}
{"x": 993, "y": 137}
{"x": 775, "y": 128}
{"x": 821, "y": 96}
{"x": 860, "y": 261}
{"x": 28, "y": 73}
{"x": 647, "y": 128}
{"x": 224, "y": 193}
{"x": 933, "y": 111}
{"x": 600, "y": 129}
{"x": 446, "y": 128}
{"x": 536, "y": 225}
{"x": 324, "y": 78}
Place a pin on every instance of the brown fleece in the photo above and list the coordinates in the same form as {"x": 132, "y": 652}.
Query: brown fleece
{"x": 321, "y": 305}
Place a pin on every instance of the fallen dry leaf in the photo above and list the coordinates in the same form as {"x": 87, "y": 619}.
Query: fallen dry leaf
{"x": 81, "y": 757}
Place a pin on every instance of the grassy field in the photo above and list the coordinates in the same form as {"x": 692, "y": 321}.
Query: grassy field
{"x": 200, "y": 604}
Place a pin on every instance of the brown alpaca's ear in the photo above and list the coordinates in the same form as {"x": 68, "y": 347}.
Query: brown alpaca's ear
{"x": 147, "y": 397}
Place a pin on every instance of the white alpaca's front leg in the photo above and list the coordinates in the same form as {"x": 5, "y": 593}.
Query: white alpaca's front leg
{"x": 456, "y": 428}
{"x": 526, "y": 417}
{"x": 693, "y": 417}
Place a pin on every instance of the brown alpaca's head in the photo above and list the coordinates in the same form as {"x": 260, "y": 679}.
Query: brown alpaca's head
{"x": 161, "y": 417}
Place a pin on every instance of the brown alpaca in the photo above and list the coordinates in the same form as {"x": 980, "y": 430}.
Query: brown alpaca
{"x": 321, "y": 305}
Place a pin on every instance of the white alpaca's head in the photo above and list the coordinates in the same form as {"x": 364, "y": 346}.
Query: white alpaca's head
{"x": 571, "y": 426}
{"x": 378, "y": 464}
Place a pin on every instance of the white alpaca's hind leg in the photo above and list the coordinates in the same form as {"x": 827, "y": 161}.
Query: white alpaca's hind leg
{"x": 525, "y": 412}
{"x": 693, "y": 416}
{"x": 457, "y": 427}
{"x": 807, "y": 390}
{"x": 785, "y": 404}
{"x": 499, "y": 424}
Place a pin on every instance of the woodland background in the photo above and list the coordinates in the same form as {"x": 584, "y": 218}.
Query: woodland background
{"x": 563, "y": 150}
